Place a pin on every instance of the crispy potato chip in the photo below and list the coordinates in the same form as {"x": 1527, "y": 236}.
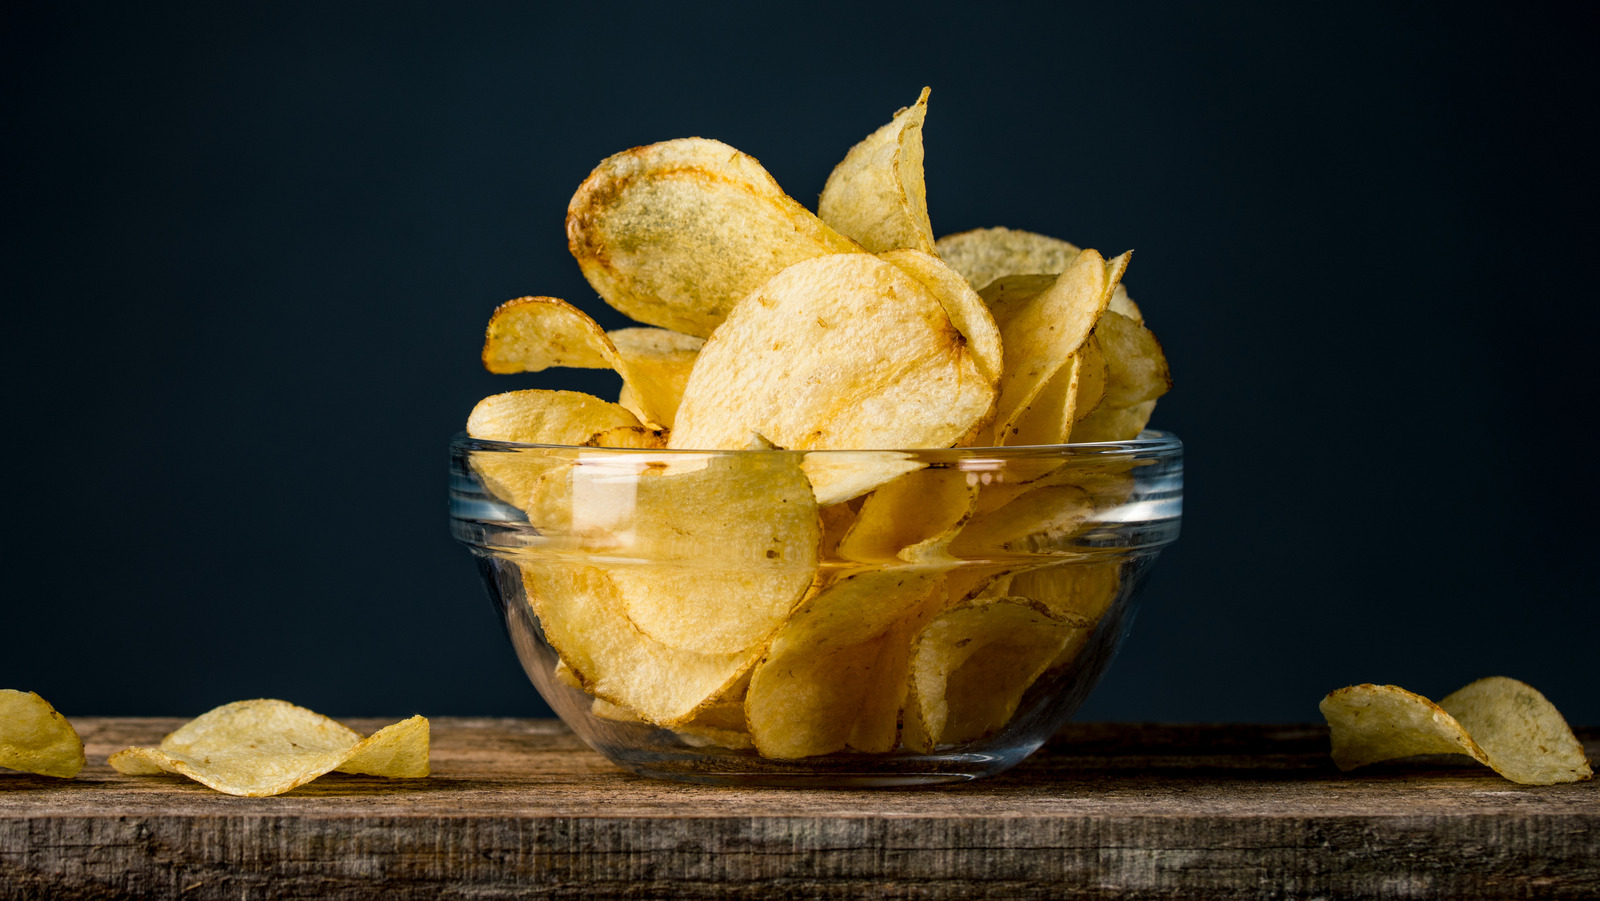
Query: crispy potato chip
{"x": 1522, "y": 735}
{"x": 803, "y": 362}
{"x": 1136, "y": 367}
{"x": 877, "y": 194}
{"x": 582, "y": 617}
{"x": 985, "y": 254}
{"x": 546, "y": 417}
{"x": 760, "y": 515}
{"x": 1531, "y": 743}
{"x": 675, "y": 234}
{"x": 636, "y": 437}
{"x": 1042, "y": 331}
{"x": 1092, "y": 378}
{"x": 531, "y": 334}
{"x": 972, "y": 663}
{"x": 260, "y": 748}
{"x": 34, "y": 738}
{"x": 1108, "y": 423}
{"x": 836, "y": 478}
{"x": 1038, "y": 521}
{"x": 1048, "y": 418}
{"x": 913, "y": 518}
{"x": 1077, "y": 589}
{"x": 1122, "y": 303}
{"x": 805, "y": 694}
{"x": 656, "y": 366}
{"x": 966, "y": 309}
{"x": 877, "y": 725}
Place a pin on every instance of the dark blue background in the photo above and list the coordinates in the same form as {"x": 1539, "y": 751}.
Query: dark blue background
{"x": 250, "y": 249}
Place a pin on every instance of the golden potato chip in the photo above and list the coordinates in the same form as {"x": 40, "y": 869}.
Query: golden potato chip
{"x": 985, "y": 254}
{"x": 1077, "y": 589}
{"x": 546, "y": 417}
{"x": 636, "y": 437}
{"x": 759, "y": 516}
{"x": 1108, "y": 423}
{"x": 1136, "y": 368}
{"x": 1533, "y": 744}
{"x": 803, "y": 363}
{"x": 877, "y": 194}
{"x": 877, "y": 725}
{"x": 675, "y": 234}
{"x": 967, "y": 310}
{"x": 912, "y": 518}
{"x": 1038, "y": 521}
{"x": 805, "y": 694}
{"x": 1042, "y": 331}
{"x": 836, "y": 478}
{"x": 582, "y": 617}
{"x": 656, "y": 366}
{"x": 1122, "y": 303}
{"x": 531, "y": 334}
{"x": 260, "y": 748}
{"x": 34, "y": 738}
{"x": 972, "y": 663}
{"x": 1048, "y": 418}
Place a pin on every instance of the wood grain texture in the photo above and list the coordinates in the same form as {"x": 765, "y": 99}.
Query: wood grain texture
{"x": 520, "y": 808}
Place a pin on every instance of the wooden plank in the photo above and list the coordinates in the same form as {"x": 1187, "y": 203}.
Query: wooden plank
{"x": 520, "y": 807}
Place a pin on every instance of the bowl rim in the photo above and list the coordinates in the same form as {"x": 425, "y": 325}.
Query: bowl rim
{"x": 1151, "y": 442}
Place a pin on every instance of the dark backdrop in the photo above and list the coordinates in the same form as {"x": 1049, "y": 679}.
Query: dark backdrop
{"x": 250, "y": 249}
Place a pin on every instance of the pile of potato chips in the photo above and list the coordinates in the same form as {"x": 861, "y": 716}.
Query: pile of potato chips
{"x": 1502, "y": 723}
{"x": 812, "y": 602}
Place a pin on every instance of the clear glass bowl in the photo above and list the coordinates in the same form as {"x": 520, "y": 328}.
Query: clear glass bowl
{"x": 758, "y": 617}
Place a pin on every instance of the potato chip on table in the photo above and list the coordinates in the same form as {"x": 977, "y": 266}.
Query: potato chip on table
{"x": 266, "y": 747}
{"x": 34, "y": 738}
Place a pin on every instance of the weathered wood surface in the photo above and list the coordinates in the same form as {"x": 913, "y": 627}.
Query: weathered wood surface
{"x": 521, "y": 808}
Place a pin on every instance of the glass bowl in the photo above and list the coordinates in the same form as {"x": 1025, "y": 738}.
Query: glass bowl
{"x": 821, "y": 618}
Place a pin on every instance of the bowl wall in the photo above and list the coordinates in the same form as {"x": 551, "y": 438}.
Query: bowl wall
{"x": 716, "y": 623}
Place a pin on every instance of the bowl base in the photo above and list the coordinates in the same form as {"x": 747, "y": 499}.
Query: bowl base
{"x": 832, "y": 771}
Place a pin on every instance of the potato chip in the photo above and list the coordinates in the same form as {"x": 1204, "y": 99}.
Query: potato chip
{"x": 912, "y": 518}
{"x": 1042, "y": 331}
{"x": 972, "y": 663}
{"x": 877, "y": 725}
{"x": 756, "y": 511}
{"x": 1522, "y": 735}
{"x": 545, "y": 417}
{"x": 1038, "y": 521}
{"x": 675, "y": 234}
{"x": 34, "y": 738}
{"x": 635, "y": 437}
{"x": 805, "y": 694}
{"x": 836, "y": 478}
{"x": 1135, "y": 366}
{"x": 1078, "y": 589}
{"x": 803, "y": 362}
{"x": 1531, "y": 743}
{"x": 985, "y": 254}
{"x": 966, "y": 309}
{"x": 877, "y": 194}
{"x": 1108, "y": 423}
{"x": 656, "y": 366}
{"x": 1122, "y": 303}
{"x": 260, "y": 748}
{"x": 582, "y": 617}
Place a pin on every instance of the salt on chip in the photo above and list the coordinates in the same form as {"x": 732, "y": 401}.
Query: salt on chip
{"x": 34, "y": 738}
{"x": 1521, "y": 735}
{"x": 803, "y": 362}
{"x": 675, "y": 234}
{"x": 877, "y": 194}
{"x": 972, "y": 664}
{"x": 260, "y": 748}
{"x": 985, "y": 254}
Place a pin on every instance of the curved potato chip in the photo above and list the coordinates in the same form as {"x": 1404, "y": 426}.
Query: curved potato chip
{"x": 1522, "y": 735}
{"x": 985, "y": 254}
{"x": 265, "y": 747}
{"x": 967, "y": 311}
{"x": 531, "y": 334}
{"x": 1122, "y": 303}
{"x": 803, "y": 362}
{"x": 674, "y": 234}
{"x": 1108, "y": 423}
{"x": 836, "y": 478}
{"x": 636, "y": 437}
{"x": 34, "y": 738}
{"x": 1034, "y": 523}
{"x": 756, "y": 511}
{"x": 1136, "y": 369}
{"x": 972, "y": 663}
{"x": 877, "y": 194}
{"x": 912, "y": 518}
{"x": 806, "y": 692}
{"x": 1040, "y": 332}
{"x": 538, "y": 417}
{"x": 581, "y": 615}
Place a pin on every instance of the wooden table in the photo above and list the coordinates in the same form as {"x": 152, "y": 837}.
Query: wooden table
{"x": 520, "y": 807}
